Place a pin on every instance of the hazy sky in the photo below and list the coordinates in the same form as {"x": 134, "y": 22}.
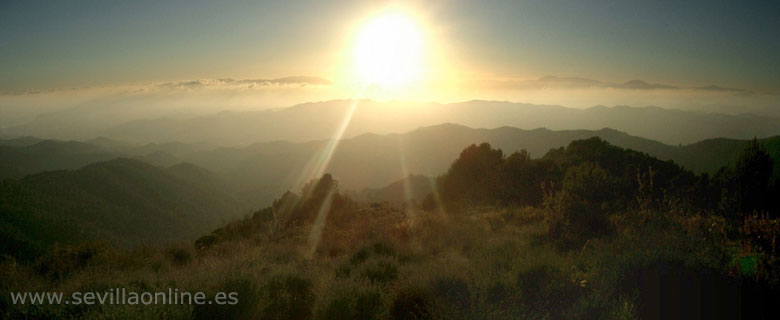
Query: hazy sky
{"x": 45, "y": 44}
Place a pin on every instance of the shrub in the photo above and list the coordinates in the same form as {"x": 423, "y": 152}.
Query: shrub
{"x": 500, "y": 296}
{"x": 412, "y": 303}
{"x": 354, "y": 304}
{"x": 752, "y": 172}
{"x": 544, "y": 289}
{"x": 287, "y": 297}
{"x": 474, "y": 177}
{"x": 206, "y": 242}
{"x": 178, "y": 256}
{"x": 583, "y": 204}
{"x": 248, "y": 301}
{"x": 761, "y": 233}
{"x": 453, "y": 292}
{"x": 63, "y": 260}
{"x": 381, "y": 270}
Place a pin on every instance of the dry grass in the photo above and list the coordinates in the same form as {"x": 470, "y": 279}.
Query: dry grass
{"x": 381, "y": 262}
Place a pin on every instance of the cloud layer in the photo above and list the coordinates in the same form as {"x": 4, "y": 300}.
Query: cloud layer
{"x": 555, "y": 82}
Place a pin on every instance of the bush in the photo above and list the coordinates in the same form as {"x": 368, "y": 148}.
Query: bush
{"x": 761, "y": 234}
{"x": 544, "y": 289}
{"x": 582, "y": 206}
{"x": 474, "y": 177}
{"x": 385, "y": 268}
{"x": 453, "y": 293}
{"x": 752, "y": 172}
{"x": 206, "y": 242}
{"x": 248, "y": 301}
{"x": 412, "y": 303}
{"x": 500, "y": 295}
{"x": 63, "y": 260}
{"x": 354, "y": 304}
{"x": 178, "y": 256}
{"x": 380, "y": 270}
{"x": 287, "y": 297}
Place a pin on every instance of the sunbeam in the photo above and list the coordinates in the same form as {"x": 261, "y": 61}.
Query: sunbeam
{"x": 315, "y": 169}
{"x": 319, "y": 223}
{"x": 437, "y": 197}
{"x": 317, "y": 165}
{"x": 405, "y": 174}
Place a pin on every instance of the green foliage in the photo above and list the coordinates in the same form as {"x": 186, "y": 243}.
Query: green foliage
{"x": 376, "y": 263}
{"x": 27, "y": 231}
{"x": 762, "y": 235}
{"x": 747, "y": 187}
{"x": 583, "y": 204}
{"x": 482, "y": 175}
{"x": 353, "y": 303}
{"x": 751, "y": 176}
{"x": 64, "y": 260}
{"x": 474, "y": 176}
{"x": 381, "y": 270}
{"x": 248, "y": 305}
{"x": 453, "y": 293}
{"x": 523, "y": 179}
{"x": 179, "y": 256}
{"x": 546, "y": 290}
{"x": 287, "y": 296}
{"x": 124, "y": 201}
{"x": 412, "y": 303}
{"x": 206, "y": 241}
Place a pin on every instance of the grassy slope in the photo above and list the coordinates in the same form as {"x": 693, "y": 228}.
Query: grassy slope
{"x": 381, "y": 262}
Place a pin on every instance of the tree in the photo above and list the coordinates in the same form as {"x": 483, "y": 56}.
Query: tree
{"x": 523, "y": 178}
{"x": 475, "y": 176}
{"x": 584, "y": 203}
{"x": 750, "y": 178}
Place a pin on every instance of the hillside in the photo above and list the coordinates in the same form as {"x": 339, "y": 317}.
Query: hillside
{"x": 263, "y": 171}
{"x": 21, "y": 157}
{"x": 607, "y": 242}
{"x": 124, "y": 201}
{"x": 412, "y": 189}
{"x": 590, "y": 230}
{"x": 374, "y": 161}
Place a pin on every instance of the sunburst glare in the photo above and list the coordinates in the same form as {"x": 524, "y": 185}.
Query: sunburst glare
{"x": 389, "y": 52}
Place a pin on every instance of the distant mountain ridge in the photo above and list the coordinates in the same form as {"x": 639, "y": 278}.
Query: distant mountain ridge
{"x": 319, "y": 120}
{"x": 374, "y": 161}
{"x": 21, "y": 157}
{"x": 262, "y": 171}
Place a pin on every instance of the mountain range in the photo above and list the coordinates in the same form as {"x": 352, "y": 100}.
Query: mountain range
{"x": 320, "y": 120}
{"x": 262, "y": 171}
{"x": 64, "y": 191}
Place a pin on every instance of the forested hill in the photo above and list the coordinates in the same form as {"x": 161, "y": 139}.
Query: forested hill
{"x": 589, "y": 230}
{"x": 124, "y": 201}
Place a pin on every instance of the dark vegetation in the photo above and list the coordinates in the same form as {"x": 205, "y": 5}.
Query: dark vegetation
{"x": 587, "y": 231}
{"x": 123, "y": 201}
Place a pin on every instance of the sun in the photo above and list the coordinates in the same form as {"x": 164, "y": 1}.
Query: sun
{"x": 389, "y": 52}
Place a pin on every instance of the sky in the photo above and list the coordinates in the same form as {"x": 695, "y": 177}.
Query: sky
{"x": 47, "y": 44}
{"x": 208, "y": 56}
